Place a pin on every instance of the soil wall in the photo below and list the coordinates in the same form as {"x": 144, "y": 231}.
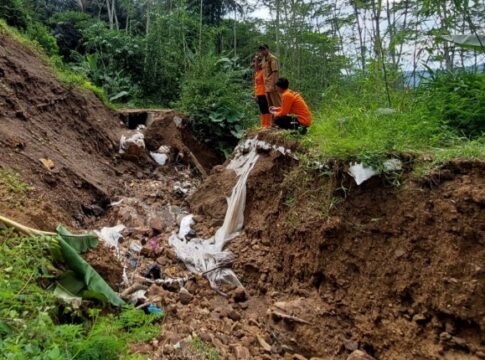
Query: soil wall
{"x": 394, "y": 270}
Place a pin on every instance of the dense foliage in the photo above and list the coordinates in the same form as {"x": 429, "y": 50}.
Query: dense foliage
{"x": 34, "y": 325}
{"x": 347, "y": 58}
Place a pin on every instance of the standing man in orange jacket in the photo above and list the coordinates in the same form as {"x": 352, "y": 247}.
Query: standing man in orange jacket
{"x": 271, "y": 74}
{"x": 260, "y": 93}
{"x": 294, "y": 112}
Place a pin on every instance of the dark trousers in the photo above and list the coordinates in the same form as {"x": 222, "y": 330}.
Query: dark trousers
{"x": 263, "y": 104}
{"x": 289, "y": 122}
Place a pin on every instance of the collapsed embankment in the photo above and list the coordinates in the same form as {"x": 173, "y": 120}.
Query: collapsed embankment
{"x": 395, "y": 270}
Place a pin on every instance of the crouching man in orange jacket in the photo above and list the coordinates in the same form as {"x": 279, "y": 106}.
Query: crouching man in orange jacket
{"x": 294, "y": 112}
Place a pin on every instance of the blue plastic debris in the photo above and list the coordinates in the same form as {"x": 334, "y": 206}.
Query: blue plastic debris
{"x": 153, "y": 309}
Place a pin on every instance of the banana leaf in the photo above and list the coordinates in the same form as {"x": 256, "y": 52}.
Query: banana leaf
{"x": 83, "y": 280}
{"x": 80, "y": 243}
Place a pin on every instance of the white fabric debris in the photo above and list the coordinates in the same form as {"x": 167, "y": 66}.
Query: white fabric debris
{"x": 136, "y": 247}
{"x": 111, "y": 236}
{"x": 360, "y": 173}
{"x": 161, "y": 155}
{"x": 136, "y": 139}
{"x": 160, "y": 159}
{"x": 116, "y": 203}
{"x": 186, "y": 226}
{"x": 137, "y": 295}
{"x": 208, "y": 256}
{"x": 178, "y": 121}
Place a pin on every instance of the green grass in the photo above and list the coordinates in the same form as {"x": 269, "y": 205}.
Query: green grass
{"x": 202, "y": 350}
{"x": 12, "y": 182}
{"x": 348, "y": 130}
{"x": 60, "y": 70}
{"x": 32, "y": 325}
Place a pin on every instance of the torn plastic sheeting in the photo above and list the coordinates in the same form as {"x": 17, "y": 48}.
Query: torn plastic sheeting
{"x": 186, "y": 226}
{"x": 208, "y": 256}
{"x": 136, "y": 139}
{"x": 160, "y": 159}
{"x": 360, "y": 173}
{"x": 111, "y": 235}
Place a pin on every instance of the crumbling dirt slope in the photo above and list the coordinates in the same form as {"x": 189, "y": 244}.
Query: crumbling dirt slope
{"x": 42, "y": 118}
{"x": 396, "y": 271}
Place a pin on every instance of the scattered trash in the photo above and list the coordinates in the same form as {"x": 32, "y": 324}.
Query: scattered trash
{"x": 207, "y": 256}
{"x": 132, "y": 144}
{"x": 154, "y": 243}
{"x": 116, "y": 203}
{"x": 48, "y": 163}
{"x": 360, "y": 173}
{"x": 138, "y": 296}
{"x": 178, "y": 121}
{"x": 161, "y": 155}
{"x": 153, "y": 309}
{"x": 111, "y": 235}
{"x": 153, "y": 272}
{"x": 185, "y": 226}
{"x": 135, "y": 246}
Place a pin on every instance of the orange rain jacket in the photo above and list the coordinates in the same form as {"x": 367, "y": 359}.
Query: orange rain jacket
{"x": 259, "y": 89}
{"x": 293, "y": 103}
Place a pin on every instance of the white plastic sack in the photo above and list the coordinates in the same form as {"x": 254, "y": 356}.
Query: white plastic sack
{"x": 111, "y": 236}
{"x": 360, "y": 173}
{"x": 136, "y": 139}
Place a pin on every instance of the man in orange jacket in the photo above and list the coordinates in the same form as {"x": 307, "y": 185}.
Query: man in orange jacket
{"x": 260, "y": 94}
{"x": 294, "y": 112}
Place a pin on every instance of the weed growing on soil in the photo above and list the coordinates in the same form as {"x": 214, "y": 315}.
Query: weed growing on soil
{"x": 202, "y": 350}
{"x": 12, "y": 182}
{"x": 310, "y": 195}
{"x": 30, "y": 316}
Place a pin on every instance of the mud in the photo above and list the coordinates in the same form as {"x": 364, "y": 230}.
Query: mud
{"x": 328, "y": 267}
{"x": 395, "y": 271}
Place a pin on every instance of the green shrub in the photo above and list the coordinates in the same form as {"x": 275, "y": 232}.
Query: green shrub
{"x": 15, "y": 13}
{"x": 30, "y": 325}
{"x": 40, "y": 34}
{"x": 217, "y": 101}
{"x": 457, "y": 99}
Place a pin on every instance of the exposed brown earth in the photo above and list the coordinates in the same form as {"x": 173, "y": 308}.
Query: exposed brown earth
{"x": 329, "y": 268}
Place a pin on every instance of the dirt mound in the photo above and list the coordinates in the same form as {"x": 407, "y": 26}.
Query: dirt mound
{"x": 171, "y": 129}
{"x": 395, "y": 271}
{"x": 43, "y": 119}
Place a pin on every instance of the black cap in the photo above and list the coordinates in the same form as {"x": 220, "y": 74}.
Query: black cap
{"x": 263, "y": 47}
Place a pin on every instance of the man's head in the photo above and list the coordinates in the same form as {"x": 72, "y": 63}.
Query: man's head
{"x": 257, "y": 61}
{"x": 264, "y": 49}
{"x": 282, "y": 85}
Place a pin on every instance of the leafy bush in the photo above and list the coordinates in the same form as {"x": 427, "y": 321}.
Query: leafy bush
{"x": 458, "y": 99}
{"x": 40, "y": 34}
{"x": 217, "y": 101}
{"x": 16, "y": 13}
{"x": 29, "y": 314}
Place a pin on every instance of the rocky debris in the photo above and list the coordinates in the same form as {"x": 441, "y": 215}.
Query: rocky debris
{"x": 241, "y": 353}
{"x": 360, "y": 355}
{"x": 266, "y": 347}
{"x": 239, "y": 295}
{"x": 185, "y": 297}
